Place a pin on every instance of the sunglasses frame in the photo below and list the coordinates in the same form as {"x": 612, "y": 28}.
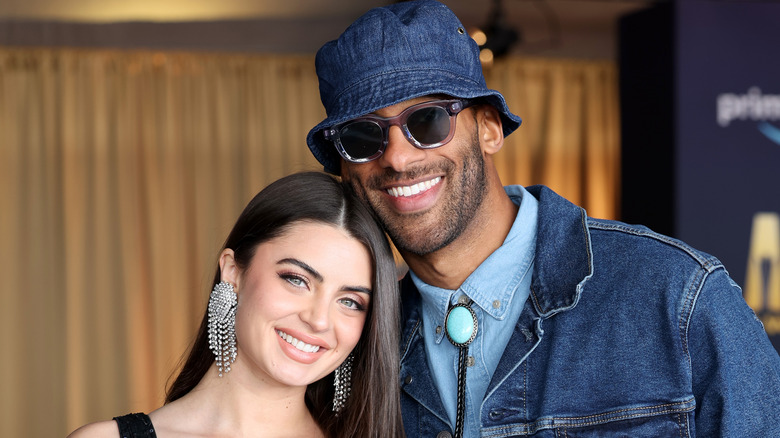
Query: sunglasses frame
{"x": 452, "y": 106}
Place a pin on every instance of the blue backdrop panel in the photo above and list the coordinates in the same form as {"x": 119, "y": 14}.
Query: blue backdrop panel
{"x": 727, "y": 118}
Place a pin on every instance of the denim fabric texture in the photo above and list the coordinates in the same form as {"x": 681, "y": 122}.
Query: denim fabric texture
{"x": 626, "y": 333}
{"x": 392, "y": 54}
{"x": 498, "y": 299}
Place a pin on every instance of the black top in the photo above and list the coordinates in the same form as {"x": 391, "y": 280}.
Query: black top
{"x": 135, "y": 426}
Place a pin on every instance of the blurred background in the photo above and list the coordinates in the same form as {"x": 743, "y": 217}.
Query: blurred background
{"x": 133, "y": 133}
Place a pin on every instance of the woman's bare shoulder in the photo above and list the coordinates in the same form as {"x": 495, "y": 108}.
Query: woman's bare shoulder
{"x": 100, "y": 429}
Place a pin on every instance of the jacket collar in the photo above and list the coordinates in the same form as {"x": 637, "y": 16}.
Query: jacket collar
{"x": 563, "y": 264}
{"x": 563, "y": 253}
{"x": 563, "y": 260}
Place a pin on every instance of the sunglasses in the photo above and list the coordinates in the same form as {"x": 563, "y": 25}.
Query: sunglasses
{"x": 426, "y": 125}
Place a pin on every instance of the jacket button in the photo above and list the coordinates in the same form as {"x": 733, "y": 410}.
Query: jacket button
{"x": 496, "y": 415}
{"x": 408, "y": 380}
{"x": 444, "y": 434}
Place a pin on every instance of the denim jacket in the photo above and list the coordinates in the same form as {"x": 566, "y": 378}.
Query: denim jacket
{"x": 626, "y": 333}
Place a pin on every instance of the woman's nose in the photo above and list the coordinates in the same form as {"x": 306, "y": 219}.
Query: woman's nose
{"x": 317, "y": 315}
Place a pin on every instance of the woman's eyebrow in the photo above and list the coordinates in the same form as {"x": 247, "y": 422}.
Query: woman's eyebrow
{"x": 317, "y": 276}
{"x": 362, "y": 289}
{"x": 313, "y": 272}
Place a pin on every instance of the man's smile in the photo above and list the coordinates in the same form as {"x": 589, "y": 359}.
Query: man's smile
{"x": 413, "y": 189}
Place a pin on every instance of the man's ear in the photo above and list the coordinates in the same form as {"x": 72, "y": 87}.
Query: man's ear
{"x": 491, "y": 132}
{"x": 228, "y": 268}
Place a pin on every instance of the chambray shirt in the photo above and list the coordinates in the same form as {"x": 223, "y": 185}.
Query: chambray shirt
{"x": 498, "y": 301}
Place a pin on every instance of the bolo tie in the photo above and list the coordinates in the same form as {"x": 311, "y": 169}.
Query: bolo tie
{"x": 461, "y": 329}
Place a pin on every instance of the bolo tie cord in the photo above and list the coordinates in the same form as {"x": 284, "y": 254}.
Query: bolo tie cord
{"x": 462, "y": 353}
{"x": 461, "y": 329}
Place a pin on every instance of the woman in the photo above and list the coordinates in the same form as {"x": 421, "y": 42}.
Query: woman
{"x": 301, "y": 332}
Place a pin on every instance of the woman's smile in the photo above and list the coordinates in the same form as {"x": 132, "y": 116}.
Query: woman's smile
{"x": 297, "y": 343}
{"x": 302, "y": 303}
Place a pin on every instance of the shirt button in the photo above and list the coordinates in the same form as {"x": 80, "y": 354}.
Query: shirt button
{"x": 438, "y": 330}
{"x": 444, "y": 434}
{"x": 463, "y": 300}
{"x": 408, "y": 380}
{"x": 470, "y": 361}
{"x": 496, "y": 304}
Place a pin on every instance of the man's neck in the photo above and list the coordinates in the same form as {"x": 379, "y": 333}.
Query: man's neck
{"x": 449, "y": 267}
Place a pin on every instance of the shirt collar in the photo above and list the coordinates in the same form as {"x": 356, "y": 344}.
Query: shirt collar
{"x": 489, "y": 286}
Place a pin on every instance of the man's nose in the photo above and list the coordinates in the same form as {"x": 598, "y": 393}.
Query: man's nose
{"x": 399, "y": 153}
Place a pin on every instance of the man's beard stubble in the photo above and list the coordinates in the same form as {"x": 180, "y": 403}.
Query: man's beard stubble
{"x": 457, "y": 209}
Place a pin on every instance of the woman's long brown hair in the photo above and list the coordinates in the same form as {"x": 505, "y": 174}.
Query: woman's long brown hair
{"x": 373, "y": 409}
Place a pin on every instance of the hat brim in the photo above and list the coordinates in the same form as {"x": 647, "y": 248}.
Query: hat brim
{"x": 390, "y": 88}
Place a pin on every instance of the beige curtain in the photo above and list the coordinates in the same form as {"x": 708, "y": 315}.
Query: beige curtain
{"x": 121, "y": 173}
{"x": 570, "y": 136}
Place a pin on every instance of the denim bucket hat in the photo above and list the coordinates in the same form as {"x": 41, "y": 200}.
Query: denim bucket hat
{"x": 392, "y": 54}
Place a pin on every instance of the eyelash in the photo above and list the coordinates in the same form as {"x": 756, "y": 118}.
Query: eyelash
{"x": 292, "y": 278}
{"x": 357, "y": 306}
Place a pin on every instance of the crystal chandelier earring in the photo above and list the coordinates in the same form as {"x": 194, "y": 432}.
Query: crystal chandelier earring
{"x": 222, "y": 325}
{"x": 342, "y": 383}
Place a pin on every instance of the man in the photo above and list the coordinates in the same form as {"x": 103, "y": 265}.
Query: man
{"x": 523, "y": 316}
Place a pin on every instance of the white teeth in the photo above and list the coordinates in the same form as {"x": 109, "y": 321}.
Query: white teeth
{"x": 413, "y": 189}
{"x": 308, "y": 348}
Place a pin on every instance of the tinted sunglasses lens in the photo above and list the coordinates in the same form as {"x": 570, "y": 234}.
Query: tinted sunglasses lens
{"x": 429, "y": 125}
{"x": 361, "y": 139}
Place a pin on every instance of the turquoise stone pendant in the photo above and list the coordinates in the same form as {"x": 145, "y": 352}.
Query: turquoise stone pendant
{"x": 461, "y": 325}
{"x": 461, "y": 329}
